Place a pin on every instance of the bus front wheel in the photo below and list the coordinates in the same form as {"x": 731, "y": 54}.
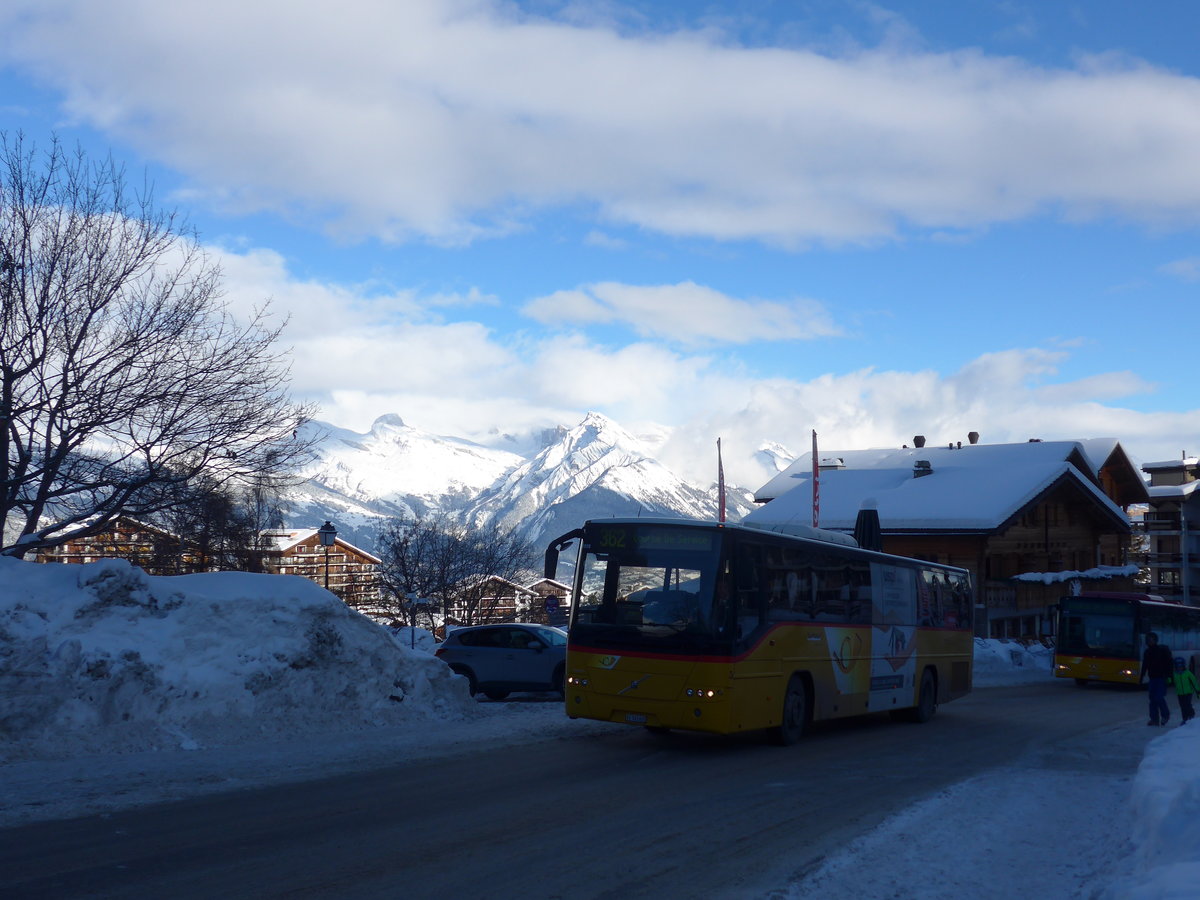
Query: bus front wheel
{"x": 794, "y": 715}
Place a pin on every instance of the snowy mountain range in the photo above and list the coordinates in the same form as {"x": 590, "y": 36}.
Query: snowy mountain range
{"x": 550, "y": 484}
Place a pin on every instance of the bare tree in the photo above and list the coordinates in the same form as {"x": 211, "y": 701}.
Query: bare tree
{"x": 437, "y": 559}
{"x": 123, "y": 373}
{"x": 221, "y": 524}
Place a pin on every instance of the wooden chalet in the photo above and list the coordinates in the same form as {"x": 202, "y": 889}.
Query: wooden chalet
{"x": 1031, "y": 521}
{"x": 151, "y": 548}
{"x": 496, "y": 599}
{"x": 348, "y": 571}
{"x": 353, "y": 574}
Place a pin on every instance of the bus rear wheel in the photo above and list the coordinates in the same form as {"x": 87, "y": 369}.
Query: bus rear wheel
{"x": 794, "y": 715}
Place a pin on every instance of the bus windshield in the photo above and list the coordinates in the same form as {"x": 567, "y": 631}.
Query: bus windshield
{"x": 646, "y": 584}
{"x": 1097, "y": 627}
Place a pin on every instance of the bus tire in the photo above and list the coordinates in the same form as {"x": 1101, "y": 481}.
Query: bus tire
{"x": 794, "y": 715}
{"x": 1081, "y": 682}
{"x": 926, "y": 706}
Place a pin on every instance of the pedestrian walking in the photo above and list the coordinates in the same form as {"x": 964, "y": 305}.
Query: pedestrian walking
{"x": 1157, "y": 667}
{"x": 1186, "y": 689}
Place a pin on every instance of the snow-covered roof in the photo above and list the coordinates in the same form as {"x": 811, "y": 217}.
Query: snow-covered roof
{"x": 972, "y": 488}
{"x": 1164, "y": 491}
{"x": 550, "y": 582}
{"x": 284, "y": 539}
{"x": 1184, "y": 463}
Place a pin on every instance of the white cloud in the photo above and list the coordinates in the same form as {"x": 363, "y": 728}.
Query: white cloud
{"x": 457, "y": 118}
{"x": 1184, "y": 269}
{"x": 361, "y": 356}
{"x": 685, "y": 313}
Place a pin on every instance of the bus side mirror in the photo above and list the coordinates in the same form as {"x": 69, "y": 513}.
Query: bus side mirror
{"x": 550, "y": 570}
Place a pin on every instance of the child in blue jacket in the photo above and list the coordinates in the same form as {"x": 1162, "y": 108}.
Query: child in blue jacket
{"x": 1185, "y": 688}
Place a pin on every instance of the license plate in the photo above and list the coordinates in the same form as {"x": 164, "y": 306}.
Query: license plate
{"x": 635, "y": 718}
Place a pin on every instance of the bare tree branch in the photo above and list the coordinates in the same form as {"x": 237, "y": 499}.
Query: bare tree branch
{"x": 123, "y": 373}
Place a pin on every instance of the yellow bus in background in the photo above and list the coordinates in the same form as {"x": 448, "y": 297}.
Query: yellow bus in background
{"x": 681, "y": 624}
{"x": 1102, "y": 635}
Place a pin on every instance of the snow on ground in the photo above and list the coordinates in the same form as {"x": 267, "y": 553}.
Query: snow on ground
{"x": 118, "y": 689}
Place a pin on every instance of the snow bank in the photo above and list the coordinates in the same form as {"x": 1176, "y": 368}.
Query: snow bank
{"x": 1166, "y": 807}
{"x": 104, "y": 658}
{"x": 999, "y": 661}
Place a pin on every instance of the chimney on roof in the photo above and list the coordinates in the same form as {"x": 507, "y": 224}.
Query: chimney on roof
{"x": 919, "y": 441}
{"x": 973, "y": 437}
{"x": 921, "y": 468}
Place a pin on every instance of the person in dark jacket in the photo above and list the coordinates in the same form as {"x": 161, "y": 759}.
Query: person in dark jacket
{"x": 1157, "y": 667}
{"x": 1186, "y": 688}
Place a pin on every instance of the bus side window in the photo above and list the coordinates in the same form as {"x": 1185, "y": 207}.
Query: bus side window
{"x": 749, "y": 574}
{"x": 859, "y": 577}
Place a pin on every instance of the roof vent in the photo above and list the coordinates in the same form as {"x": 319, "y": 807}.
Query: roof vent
{"x": 831, "y": 462}
{"x": 973, "y": 437}
{"x": 922, "y": 467}
{"x": 919, "y": 441}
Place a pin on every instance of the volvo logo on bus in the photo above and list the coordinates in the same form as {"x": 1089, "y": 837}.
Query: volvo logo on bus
{"x": 633, "y": 684}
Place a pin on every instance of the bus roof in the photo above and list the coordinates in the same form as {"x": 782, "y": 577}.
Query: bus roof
{"x": 803, "y": 532}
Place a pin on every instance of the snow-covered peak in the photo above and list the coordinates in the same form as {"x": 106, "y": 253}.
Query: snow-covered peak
{"x": 388, "y": 420}
{"x": 775, "y": 457}
{"x": 394, "y": 460}
{"x": 594, "y": 468}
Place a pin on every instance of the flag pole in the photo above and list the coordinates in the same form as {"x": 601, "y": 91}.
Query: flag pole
{"x": 816, "y": 482}
{"x": 720, "y": 485}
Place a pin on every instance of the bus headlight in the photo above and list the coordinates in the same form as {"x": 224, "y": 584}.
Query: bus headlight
{"x": 704, "y": 693}
{"x": 577, "y": 681}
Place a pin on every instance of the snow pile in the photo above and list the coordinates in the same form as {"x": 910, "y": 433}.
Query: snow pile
{"x": 1166, "y": 831}
{"x": 999, "y": 661}
{"x": 104, "y": 658}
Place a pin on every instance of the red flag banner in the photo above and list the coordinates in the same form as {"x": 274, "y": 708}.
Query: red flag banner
{"x": 816, "y": 481}
{"x": 720, "y": 485}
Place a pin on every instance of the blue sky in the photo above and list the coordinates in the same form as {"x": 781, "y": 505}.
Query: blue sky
{"x": 735, "y": 219}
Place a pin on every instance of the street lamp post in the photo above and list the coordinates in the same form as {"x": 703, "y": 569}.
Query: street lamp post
{"x": 328, "y": 534}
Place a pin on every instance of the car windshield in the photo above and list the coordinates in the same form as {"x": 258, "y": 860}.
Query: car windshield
{"x": 651, "y": 584}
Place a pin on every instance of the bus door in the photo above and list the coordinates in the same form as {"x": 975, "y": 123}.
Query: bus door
{"x": 893, "y": 636}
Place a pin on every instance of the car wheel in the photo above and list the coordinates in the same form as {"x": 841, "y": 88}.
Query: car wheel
{"x": 559, "y": 680}
{"x": 495, "y": 695}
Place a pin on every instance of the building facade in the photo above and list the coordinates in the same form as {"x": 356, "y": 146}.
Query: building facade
{"x": 1172, "y": 529}
{"x": 348, "y": 571}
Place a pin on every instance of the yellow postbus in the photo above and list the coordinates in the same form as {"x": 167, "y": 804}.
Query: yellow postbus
{"x": 1102, "y": 635}
{"x": 681, "y": 624}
